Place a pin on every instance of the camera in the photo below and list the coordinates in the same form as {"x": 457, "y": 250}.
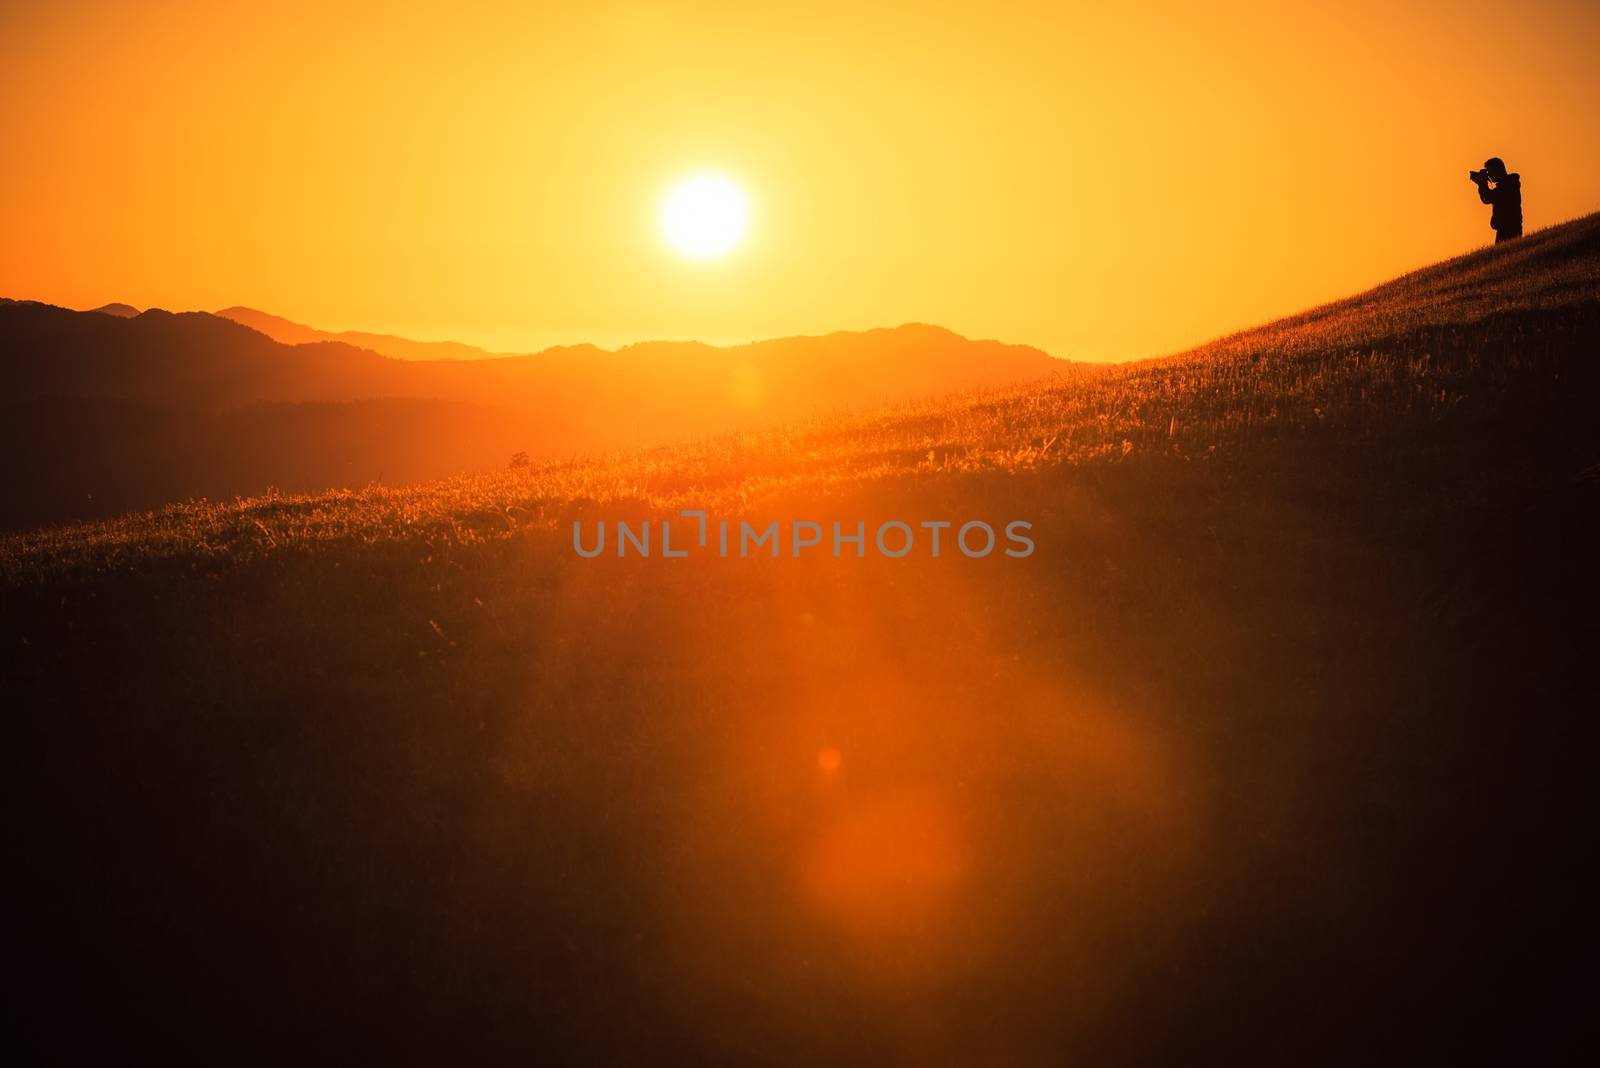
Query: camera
{"x": 1478, "y": 176}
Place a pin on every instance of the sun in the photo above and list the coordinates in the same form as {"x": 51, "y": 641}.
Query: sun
{"x": 705, "y": 216}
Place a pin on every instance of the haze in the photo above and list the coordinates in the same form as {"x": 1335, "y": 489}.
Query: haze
{"x": 1098, "y": 181}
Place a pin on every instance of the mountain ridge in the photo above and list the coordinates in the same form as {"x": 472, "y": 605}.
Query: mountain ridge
{"x": 163, "y": 384}
{"x": 290, "y": 332}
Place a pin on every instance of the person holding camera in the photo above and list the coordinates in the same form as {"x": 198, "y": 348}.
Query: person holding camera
{"x": 1504, "y": 191}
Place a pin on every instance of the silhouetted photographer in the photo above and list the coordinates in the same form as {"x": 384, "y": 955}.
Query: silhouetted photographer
{"x": 1504, "y": 191}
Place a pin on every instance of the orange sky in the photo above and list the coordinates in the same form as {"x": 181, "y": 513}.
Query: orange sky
{"x": 1104, "y": 181}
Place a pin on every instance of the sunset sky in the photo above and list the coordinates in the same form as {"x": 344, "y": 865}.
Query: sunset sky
{"x": 1104, "y": 181}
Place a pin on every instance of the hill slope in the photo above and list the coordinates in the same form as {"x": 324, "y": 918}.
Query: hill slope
{"x": 1270, "y": 752}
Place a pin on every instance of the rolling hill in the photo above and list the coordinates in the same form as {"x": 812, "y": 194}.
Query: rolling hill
{"x": 119, "y": 413}
{"x": 1272, "y": 751}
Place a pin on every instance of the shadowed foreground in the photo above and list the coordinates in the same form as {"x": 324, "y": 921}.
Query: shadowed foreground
{"x": 1271, "y": 750}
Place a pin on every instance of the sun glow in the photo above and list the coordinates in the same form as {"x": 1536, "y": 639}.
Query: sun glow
{"x": 705, "y": 216}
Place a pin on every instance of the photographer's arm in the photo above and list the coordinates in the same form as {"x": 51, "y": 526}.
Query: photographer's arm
{"x": 1485, "y": 194}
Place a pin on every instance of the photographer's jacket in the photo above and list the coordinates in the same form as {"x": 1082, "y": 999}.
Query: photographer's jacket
{"x": 1506, "y": 196}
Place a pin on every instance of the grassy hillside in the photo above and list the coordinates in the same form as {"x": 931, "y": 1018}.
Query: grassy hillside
{"x": 1270, "y": 752}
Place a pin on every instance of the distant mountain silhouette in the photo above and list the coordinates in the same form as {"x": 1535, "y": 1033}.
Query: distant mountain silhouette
{"x": 121, "y": 311}
{"x": 292, "y": 333}
{"x": 121, "y": 413}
